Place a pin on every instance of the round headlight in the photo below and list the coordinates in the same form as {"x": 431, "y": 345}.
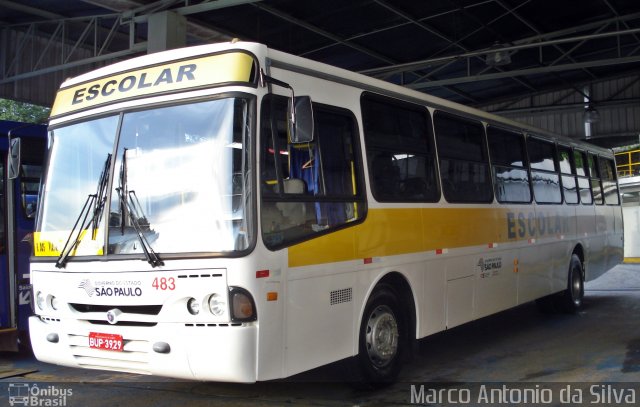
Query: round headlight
{"x": 217, "y": 304}
{"x": 40, "y": 300}
{"x": 54, "y": 303}
{"x": 193, "y": 306}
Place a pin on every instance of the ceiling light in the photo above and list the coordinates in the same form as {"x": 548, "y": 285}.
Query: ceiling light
{"x": 498, "y": 57}
{"x": 591, "y": 115}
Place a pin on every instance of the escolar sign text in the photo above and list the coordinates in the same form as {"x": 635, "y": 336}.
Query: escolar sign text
{"x": 132, "y": 82}
{"x": 151, "y": 80}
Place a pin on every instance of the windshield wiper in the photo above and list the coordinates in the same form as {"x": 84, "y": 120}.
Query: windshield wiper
{"x": 95, "y": 202}
{"x": 128, "y": 205}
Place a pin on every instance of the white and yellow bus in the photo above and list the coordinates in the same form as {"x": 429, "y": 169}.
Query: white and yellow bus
{"x": 233, "y": 213}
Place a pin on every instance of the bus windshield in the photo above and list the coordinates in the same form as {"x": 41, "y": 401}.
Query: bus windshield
{"x": 179, "y": 182}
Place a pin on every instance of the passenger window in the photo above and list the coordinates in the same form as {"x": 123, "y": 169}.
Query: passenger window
{"x": 464, "y": 164}
{"x": 567, "y": 169}
{"x": 312, "y": 187}
{"x": 594, "y": 174}
{"x": 582, "y": 171}
{"x": 400, "y": 152}
{"x": 609, "y": 184}
{"x": 508, "y": 162}
{"x": 544, "y": 171}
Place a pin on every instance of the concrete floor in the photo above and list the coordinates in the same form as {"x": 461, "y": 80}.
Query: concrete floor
{"x": 589, "y": 358}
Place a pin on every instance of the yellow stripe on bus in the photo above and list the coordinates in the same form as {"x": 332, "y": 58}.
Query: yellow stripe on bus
{"x": 51, "y": 244}
{"x": 192, "y": 73}
{"x": 388, "y": 232}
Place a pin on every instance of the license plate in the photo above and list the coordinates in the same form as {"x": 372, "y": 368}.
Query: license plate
{"x": 99, "y": 340}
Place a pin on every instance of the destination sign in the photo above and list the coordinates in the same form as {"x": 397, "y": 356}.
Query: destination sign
{"x": 230, "y": 67}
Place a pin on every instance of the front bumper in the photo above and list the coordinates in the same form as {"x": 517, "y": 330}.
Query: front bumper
{"x": 212, "y": 352}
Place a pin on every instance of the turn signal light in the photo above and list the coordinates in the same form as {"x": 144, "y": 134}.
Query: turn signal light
{"x": 243, "y": 307}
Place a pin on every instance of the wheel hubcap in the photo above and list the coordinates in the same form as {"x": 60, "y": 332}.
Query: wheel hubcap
{"x": 382, "y": 336}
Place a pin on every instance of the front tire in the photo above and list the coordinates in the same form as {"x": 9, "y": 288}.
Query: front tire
{"x": 382, "y": 338}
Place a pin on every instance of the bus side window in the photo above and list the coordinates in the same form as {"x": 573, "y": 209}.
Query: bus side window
{"x": 594, "y": 174}
{"x": 544, "y": 171}
{"x": 29, "y": 185}
{"x": 582, "y": 172}
{"x": 568, "y": 171}
{"x": 464, "y": 162}
{"x": 509, "y": 165}
{"x": 400, "y": 151}
{"x": 311, "y": 187}
{"x": 609, "y": 184}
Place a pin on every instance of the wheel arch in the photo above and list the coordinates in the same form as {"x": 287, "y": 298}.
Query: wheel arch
{"x": 404, "y": 293}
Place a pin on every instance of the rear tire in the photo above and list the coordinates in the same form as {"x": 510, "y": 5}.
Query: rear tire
{"x": 570, "y": 300}
{"x": 382, "y": 339}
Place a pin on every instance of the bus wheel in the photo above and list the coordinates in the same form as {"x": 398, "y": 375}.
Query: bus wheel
{"x": 382, "y": 338}
{"x": 570, "y": 300}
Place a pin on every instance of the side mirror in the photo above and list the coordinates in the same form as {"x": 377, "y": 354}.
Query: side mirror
{"x": 299, "y": 112}
{"x": 13, "y": 160}
{"x": 300, "y": 120}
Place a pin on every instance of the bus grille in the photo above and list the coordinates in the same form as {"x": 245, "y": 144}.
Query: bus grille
{"x": 129, "y": 309}
{"x": 132, "y": 359}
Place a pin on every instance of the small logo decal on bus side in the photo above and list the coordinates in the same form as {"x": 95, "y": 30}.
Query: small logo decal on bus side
{"x": 489, "y": 267}
{"x": 111, "y": 288}
{"x": 88, "y": 287}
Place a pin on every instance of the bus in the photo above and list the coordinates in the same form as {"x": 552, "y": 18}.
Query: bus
{"x": 18, "y": 203}
{"x": 229, "y": 212}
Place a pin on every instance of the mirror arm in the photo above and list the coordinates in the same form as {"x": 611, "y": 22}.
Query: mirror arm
{"x": 266, "y": 79}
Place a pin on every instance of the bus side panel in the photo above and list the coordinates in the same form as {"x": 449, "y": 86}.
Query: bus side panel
{"x": 597, "y": 253}
{"x": 460, "y": 290}
{"x": 320, "y": 320}
{"x": 432, "y": 302}
{"x": 535, "y": 257}
{"x": 23, "y": 227}
{"x": 616, "y": 240}
{"x": 566, "y": 240}
{"x": 613, "y": 241}
{"x": 534, "y": 277}
{"x": 586, "y": 229}
{"x": 496, "y": 282}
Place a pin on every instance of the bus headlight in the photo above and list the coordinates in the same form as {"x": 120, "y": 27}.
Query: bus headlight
{"x": 193, "y": 306}
{"x": 54, "y": 303}
{"x": 217, "y": 304}
{"x": 243, "y": 308}
{"x": 40, "y": 300}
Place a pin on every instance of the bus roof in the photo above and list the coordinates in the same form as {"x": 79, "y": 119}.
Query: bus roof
{"x": 290, "y": 62}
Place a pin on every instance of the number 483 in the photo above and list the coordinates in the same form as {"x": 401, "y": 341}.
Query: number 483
{"x": 164, "y": 283}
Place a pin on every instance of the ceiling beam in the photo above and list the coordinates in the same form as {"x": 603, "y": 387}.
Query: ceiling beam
{"x": 337, "y": 39}
{"x": 29, "y": 10}
{"x": 616, "y": 103}
{"x": 526, "y": 71}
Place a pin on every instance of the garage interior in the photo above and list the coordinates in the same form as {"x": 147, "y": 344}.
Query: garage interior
{"x": 567, "y": 69}
{"x": 571, "y": 68}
